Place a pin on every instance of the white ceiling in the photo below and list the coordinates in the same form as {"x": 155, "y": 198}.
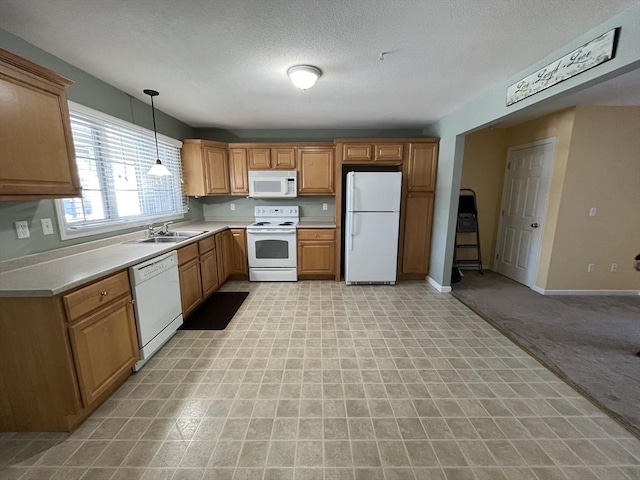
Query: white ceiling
{"x": 223, "y": 63}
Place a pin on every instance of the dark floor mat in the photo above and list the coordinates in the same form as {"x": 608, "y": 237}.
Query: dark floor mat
{"x": 216, "y": 312}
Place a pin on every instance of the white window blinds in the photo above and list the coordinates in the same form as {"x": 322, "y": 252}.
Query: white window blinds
{"x": 113, "y": 158}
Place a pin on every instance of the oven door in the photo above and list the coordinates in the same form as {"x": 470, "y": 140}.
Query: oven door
{"x": 272, "y": 249}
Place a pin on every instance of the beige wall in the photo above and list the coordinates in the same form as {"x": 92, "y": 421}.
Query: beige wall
{"x": 483, "y": 172}
{"x": 597, "y": 164}
{"x": 603, "y": 171}
{"x": 557, "y": 125}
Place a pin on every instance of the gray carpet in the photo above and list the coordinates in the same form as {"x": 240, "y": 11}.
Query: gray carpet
{"x": 589, "y": 341}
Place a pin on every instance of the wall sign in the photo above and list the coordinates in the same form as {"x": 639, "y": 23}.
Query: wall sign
{"x": 597, "y": 51}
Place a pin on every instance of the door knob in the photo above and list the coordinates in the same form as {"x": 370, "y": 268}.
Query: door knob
{"x": 534, "y": 225}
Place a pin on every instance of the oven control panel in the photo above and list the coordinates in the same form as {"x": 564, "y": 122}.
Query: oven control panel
{"x": 276, "y": 211}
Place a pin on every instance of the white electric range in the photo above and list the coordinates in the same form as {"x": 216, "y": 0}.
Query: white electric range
{"x": 271, "y": 245}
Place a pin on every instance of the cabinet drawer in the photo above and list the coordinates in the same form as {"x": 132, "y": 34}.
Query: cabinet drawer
{"x": 185, "y": 254}
{"x": 96, "y": 295}
{"x": 207, "y": 244}
{"x": 316, "y": 234}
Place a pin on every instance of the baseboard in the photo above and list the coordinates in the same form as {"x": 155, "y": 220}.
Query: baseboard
{"x": 437, "y": 286}
{"x": 543, "y": 291}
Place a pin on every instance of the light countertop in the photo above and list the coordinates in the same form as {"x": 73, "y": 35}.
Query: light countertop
{"x": 62, "y": 274}
{"x": 59, "y": 275}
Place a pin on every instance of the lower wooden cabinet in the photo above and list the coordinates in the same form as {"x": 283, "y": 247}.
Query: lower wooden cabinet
{"x": 190, "y": 286}
{"x": 239, "y": 267}
{"x": 416, "y": 245}
{"x": 105, "y": 346}
{"x": 224, "y": 251}
{"x": 61, "y": 356}
{"x": 209, "y": 273}
{"x": 316, "y": 253}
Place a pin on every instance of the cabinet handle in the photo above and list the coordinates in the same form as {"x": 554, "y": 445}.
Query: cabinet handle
{"x": 315, "y": 235}
{"x": 104, "y": 293}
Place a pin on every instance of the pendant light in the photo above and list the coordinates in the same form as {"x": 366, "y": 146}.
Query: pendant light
{"x": 158, "y": 169}
{"x": 304, "y": 76}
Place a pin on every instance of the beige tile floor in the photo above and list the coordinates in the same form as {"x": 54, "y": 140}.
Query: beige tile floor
{"x": 317, "y": 380}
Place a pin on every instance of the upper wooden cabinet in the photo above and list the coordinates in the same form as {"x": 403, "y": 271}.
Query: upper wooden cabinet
{"x": 421, "y": 167}
{"x": 205, "y": 168}
{"x": 37, "y": 158}
{"x": 316, "y": 170}
{"x": 372, "y": 152}
{"x": 238, "y": 171}
{"x": 276, "y": 157}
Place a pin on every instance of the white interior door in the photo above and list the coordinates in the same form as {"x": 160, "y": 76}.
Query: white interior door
{"x": 524, "y": 201}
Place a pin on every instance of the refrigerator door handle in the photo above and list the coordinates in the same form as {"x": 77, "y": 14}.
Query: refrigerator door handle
{"x": 352, "y": 197}
{"x": 351, "y": 231}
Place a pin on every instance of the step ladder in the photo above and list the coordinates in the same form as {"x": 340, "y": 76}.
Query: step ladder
{"x": 468, "y": 224}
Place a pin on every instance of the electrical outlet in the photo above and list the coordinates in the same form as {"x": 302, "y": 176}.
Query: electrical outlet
{"x": 324, "y": 206}
{"x": 23, "y": 229}
{"x": 593, "y": 211}
{"x": 614, "y": 267}
{"x": 232, "y": 206}
{"x": 47, "y": 226}
{"x": 591, "y": 268}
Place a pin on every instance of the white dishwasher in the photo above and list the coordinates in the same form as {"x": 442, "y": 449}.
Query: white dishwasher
{"x": 156, "y": 293}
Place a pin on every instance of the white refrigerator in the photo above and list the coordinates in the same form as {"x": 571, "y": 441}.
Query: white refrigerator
{"x": 371, "y": 227}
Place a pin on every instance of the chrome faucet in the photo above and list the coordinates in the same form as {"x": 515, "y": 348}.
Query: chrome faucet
{"x": 161, "y": 230}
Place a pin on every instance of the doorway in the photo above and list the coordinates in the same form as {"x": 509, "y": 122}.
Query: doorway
{"x": 523, "y": 211}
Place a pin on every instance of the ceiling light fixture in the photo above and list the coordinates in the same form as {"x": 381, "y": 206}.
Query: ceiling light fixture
{"x": 304, "y": 76}
{"x": 158, "y": 169}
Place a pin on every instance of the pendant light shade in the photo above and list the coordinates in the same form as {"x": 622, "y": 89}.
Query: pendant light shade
{"x": 158, "y": 169}
{"x": 304, "y": 76}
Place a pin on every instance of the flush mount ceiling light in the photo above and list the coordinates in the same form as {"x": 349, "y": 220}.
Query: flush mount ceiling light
{"x": 158, "y": 169}
{"x": 304, "y": 76}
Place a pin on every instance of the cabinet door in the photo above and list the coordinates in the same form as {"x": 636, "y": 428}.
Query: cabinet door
{"x": 389, "y": 152}
{"x": 209, "y": 273}
{"x": 316, "y": 170}
{"x": 283, "y": 158}
{"x": 316, "y": 258}
{"x": 417, "y": 233}
{"x": 239, "y": 258}
{"x": 224, "y": 252}
{"x": 238, "y": 167}
{"x": 421, "y": 167}
{"x": 37, "y": 158}
{"x": 259, "y": 158}
{"x": 357, "y": 152}
{"x": 105, "y": 346}
{"x": 216, "y": 170}
{"x": 190, "y": 286}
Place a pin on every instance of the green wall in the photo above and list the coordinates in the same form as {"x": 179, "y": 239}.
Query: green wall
{"x": 244, "y": 207}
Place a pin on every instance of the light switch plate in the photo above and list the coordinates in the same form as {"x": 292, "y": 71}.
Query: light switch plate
{"x": 47, "y": 226}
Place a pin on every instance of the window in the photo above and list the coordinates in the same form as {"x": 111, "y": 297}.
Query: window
{"x": 113, "y": 158}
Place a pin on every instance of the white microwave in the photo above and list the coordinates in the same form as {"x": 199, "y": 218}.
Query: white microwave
{"x": 272, "y": 183}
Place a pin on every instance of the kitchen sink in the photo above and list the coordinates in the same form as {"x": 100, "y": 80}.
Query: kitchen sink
{"x": 170, "y": 237}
